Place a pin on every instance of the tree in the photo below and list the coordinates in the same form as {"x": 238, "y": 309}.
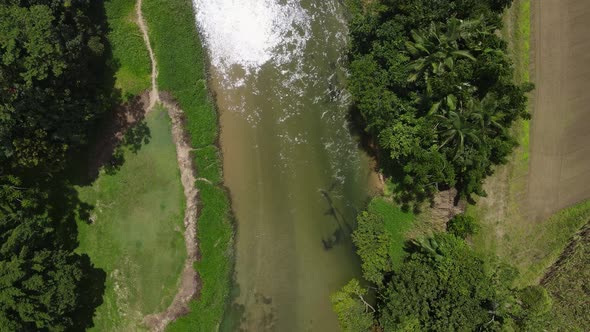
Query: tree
{"x": 443, "y": 285}
{"x": 39, "y": 281}
{"x": 462, "y": 226}
{"x": 354, "y": 313}
{"x": 54, "y": 84}
{"x": 435, "y": 50}
{"x": 52, "y": 65}
{"x": 372, "y": 243}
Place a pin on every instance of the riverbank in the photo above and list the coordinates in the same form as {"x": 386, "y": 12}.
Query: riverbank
{"x": 182, "y": 74}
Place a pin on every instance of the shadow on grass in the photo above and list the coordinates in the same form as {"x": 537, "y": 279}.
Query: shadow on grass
{"x": 122, "y": 127}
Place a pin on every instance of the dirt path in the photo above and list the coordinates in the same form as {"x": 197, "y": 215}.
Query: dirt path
{"x": 188, "y": 286}
{"x": 560, "y": 154}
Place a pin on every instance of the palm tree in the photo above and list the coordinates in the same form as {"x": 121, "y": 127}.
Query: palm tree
{"x": 435, "y": 49}
{"x": 490, "y": 118}
{"x": 459, "y": 128}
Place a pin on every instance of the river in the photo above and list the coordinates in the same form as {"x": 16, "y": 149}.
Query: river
{"x": 296, "y": 175}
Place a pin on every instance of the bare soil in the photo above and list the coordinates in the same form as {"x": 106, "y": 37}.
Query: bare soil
{"x": 189, "y": 282}
{"x": 559, "y": 170}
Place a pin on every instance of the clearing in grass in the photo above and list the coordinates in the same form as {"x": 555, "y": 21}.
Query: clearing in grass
{"x": 135, "y": 227}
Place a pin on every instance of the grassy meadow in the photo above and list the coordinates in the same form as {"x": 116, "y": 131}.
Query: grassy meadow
{"x": 397, "y": 223}
{"x": 136, "y": 229}
{"x": 182, "y": 73}
{"x": 131, "y": 58}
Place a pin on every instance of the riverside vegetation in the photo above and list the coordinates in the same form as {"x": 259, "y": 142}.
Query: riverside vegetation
{"x": 65, "y": 69}
{"x": 435, "y": 90}
{"x": 181, "y": 62}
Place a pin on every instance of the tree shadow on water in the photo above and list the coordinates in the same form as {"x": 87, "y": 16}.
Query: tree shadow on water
{"x": 343, "y": 227}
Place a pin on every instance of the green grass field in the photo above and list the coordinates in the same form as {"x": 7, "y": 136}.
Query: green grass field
{"x": 136, "y": 234}
{"x": 136, "y": 229}
{"x": 131, "y": 57}
{"x": 182, "y": 72}
{"x": 397, "y": 223}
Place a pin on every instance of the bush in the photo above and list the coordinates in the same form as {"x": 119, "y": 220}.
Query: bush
{"x": 462, "y": 226}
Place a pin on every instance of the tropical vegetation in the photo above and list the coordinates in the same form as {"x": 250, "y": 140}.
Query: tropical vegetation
{"x": 441, "y": 284}
{"x": 434, "y": 87}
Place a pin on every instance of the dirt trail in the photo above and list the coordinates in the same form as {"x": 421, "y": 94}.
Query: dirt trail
{"x": 560, "y": 154}
{"x": 188, "y": 286}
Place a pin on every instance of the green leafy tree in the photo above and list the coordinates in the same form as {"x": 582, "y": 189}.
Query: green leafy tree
{"x": 442, "y": 285}
{"x": 372, "y": 243}
{"x": 355, "y": 314}
{"x": 53, "y": 80}
{"x": 436, "y": 49}
{"x": 39, "y": 281}
{"x": 462, "y": 226}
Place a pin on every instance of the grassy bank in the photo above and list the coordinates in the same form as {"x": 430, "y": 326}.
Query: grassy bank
{"x": 130, "y": 55}
{"x": 534, "y": 247}
{"x": 136, "y": 230}
{"x": 182, "y": 72}
{"x": 396, "y": 222}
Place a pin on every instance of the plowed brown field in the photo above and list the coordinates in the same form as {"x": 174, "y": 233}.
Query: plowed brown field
{"x": 559, "y": 173}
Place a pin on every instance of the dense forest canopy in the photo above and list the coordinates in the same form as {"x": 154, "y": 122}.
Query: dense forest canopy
{"x": 434, "y": 86}
{"x": 51, "y": 74}
{"x": 53, "y": 86}
{"x": 440, "y": 285}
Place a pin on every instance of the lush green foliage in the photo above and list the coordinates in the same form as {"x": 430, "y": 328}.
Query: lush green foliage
{"x": 182, "y": 72}
{"x": 443, "y": 285}
{"x": 41, "y": 281}
{"x": 54, "y": 84}
{"x": 351, "y": 307}
{"x": 462, "y": 226}
{"x": 379, "y": 238}
{"x": 51, "y": 55}
{"x": 434, "y": 86}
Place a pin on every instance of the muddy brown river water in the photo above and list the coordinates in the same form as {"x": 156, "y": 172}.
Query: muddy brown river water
{"x": 296, "y": 175}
